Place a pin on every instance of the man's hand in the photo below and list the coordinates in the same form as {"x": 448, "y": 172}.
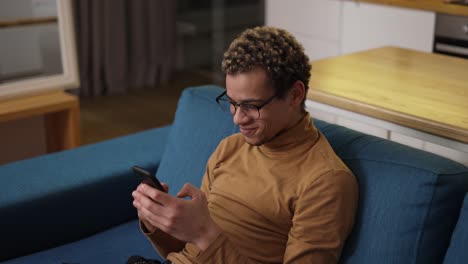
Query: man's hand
{"x": 186, "y": 220}
{"x": 150, "y": 228}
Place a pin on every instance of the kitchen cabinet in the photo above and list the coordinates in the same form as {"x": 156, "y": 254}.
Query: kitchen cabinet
{"x": 366, "y": 26}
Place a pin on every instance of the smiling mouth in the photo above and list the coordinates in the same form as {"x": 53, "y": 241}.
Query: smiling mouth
{"x": 247, "y": 131}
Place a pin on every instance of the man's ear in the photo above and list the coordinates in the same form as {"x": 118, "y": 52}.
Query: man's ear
{"x": 297, "y": 93}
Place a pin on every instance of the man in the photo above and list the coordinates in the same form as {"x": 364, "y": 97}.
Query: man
{"x": 295, "y": 201}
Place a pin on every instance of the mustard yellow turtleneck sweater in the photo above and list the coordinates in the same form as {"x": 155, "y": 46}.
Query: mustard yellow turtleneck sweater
{"x": 291, "y": 200}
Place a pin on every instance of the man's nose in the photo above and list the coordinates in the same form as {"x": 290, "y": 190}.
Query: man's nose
{"x": 240, "y": 117}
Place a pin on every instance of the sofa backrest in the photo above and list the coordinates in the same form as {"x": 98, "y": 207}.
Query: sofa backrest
{"x": 198, "y": 127}
{"x": 409, "y": 199}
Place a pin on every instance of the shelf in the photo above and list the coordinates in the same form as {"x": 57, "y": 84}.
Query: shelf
{"x": 27, "y": 22}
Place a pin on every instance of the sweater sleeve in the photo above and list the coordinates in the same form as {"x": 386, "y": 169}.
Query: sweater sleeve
{"x": 323, "y": 219}
{"x": 220, "y": 251}
{"x": 162, "y": 242}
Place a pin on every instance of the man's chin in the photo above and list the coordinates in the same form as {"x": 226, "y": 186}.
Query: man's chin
{"x": 254, "y": 141}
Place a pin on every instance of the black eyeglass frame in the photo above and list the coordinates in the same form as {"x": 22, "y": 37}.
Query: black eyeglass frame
{"x": 237, "y": 105}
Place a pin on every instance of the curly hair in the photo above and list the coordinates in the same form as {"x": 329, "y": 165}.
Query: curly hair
{"x": 273, "y": 49}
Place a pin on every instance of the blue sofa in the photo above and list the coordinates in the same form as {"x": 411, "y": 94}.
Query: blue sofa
{"x": 76, "y": 207}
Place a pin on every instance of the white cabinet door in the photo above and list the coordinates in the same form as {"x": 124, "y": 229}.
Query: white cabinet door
{"x": 317, "y": 48}
{"x": 367, "y": 26}
{"x": 317, "y": 18}
{"x": 316, "y": 24}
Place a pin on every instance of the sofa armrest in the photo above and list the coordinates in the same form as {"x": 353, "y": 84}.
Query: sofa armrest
{"x": 65, "y": 196}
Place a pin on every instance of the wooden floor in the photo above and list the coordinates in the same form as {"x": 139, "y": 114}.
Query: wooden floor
{"x": 108, "y": 117}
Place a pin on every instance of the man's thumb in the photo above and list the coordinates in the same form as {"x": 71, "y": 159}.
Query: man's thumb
{"x": 187, "y": 190}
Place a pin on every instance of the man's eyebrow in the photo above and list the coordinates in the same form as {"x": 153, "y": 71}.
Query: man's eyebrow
{"x": 245, "y": 101}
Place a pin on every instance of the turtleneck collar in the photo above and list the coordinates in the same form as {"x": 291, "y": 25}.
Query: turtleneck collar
{"x": 299, "y": 134}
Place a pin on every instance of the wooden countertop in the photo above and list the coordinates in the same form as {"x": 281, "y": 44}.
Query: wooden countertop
{"x": 424, "y": 91}
{"x": 439, "y": 6}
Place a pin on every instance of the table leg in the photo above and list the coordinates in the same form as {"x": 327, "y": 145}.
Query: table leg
{"x": 62, "y": 129}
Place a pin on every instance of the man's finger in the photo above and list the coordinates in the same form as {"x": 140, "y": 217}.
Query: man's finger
{"x": 156, "y": 221}
{"x": 156, "y": 195}
{"x": 188, "y": 190}
{"x": 143, "y": 201}
{"x": 166, "y": 187}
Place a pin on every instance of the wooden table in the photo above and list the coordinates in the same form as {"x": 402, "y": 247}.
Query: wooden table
{"x": 61, "y": 116}
{"x": 423, "y": 91}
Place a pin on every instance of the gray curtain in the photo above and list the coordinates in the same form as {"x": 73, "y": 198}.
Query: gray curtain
{"x": 124, "y": 44}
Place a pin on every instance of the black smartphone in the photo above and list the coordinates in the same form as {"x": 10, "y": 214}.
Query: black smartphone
{"x": 147, "y": 178}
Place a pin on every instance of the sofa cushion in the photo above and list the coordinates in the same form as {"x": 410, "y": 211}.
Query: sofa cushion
{"x": 43, "y": 200}
{"x": 114, "y": 245}
{"x": 198, "y": 127}
{"x": 458, "y": 249}
{"x": 409, "y": 199}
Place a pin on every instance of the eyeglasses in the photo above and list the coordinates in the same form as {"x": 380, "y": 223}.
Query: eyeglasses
{"x": 250, "y": 110}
